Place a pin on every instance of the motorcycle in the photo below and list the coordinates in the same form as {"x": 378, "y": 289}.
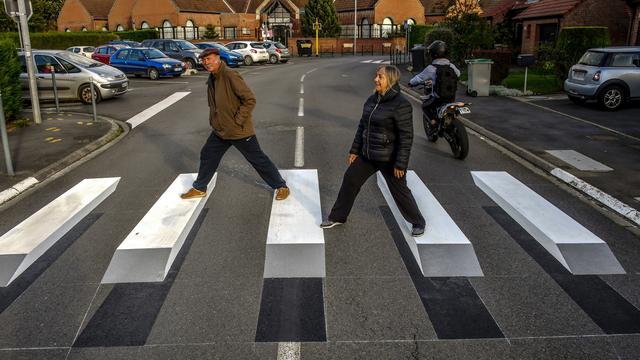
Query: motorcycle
{"x": 447, "y": 124}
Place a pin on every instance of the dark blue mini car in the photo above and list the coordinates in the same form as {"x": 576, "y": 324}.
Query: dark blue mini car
{"x": 230, "y": 58}
{"x": 146, "y": 62}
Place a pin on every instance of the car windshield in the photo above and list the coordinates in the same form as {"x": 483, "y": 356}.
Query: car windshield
{"x": 257, "y": 46}
{"x": 591, "y": 58}
{"x": 219, "y": 47}
{"x": 280, "y": 46}
{"x": 153, "y": 54}
{"x": 79, "y": 60}
{"x": 185, "y": 45}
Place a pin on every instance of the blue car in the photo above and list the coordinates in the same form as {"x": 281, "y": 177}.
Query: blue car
{"x": 229, "y": 57}
{"x": 146, "y": 62}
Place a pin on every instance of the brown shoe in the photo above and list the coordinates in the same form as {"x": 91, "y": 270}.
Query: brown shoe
{"x": 193, "y": 194}
{"x": 282, "y": 193}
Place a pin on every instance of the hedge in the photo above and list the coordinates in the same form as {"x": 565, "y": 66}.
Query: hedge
{"x": 418, "y": 33}
{"x": 10, "y": 84}
{"x": 501, "y": 63}
{"x": 573, "y": 42}
{"x": 138, "y": 35}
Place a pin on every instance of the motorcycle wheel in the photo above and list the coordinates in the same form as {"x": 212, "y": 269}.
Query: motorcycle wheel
{"x": 458, "y": 139}
{"x": 430, "y": 131}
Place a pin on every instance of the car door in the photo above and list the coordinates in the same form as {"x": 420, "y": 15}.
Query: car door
{"x": 110, "y": 51}
{"x": 172, "y": 50}
{"x": 121, "y": 62}
{"x": 45, "y": 65}
{"x": 136, "y": 62}
{"x": 634, "y": 83}
{"x": 623, "y": 66}
{"x": 24, "y": 77}
{"x": 70, "y": 80}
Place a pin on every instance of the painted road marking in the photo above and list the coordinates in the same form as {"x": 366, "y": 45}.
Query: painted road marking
{"x": 149, "y": 250}
{"x": 301, "y": 88}
{"x": 299, "y": 150}
{"x": 579, "y": 161}
{"x": 366, "y": 61}
{"x": 302, "y": 77}
{"x": 295, "y": 241}
{"x": 443, "y": 250}
{"x": 576, "y": 248}
{"x": 155, "y": 109}
{"x": 376, "y": 62}
{"x": 301, "y": 107}
{"x": 25, "y": 243}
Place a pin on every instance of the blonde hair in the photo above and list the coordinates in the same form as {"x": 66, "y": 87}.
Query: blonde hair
{"x": 392, "y": 73}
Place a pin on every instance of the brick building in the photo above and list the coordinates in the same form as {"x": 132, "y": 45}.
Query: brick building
{"x": 84, "y": 15}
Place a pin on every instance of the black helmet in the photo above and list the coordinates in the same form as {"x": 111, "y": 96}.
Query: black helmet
{"x": 438, "y": 49}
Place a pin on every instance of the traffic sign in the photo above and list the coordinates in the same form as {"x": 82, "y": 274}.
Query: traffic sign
{"x": 11, "y": 8}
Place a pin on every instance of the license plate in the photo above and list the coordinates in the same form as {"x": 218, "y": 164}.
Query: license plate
{"x": 464, "y": 110}
{"x": 578, "y": 75}
{"x": 178, "y": 69}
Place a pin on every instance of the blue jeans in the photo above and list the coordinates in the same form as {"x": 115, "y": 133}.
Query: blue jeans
{"x": 216, "y": 147}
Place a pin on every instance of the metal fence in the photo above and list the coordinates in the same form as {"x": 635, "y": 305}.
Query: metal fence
{"x": 180, "y": 32}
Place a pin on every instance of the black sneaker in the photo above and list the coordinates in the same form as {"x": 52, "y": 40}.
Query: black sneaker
{"x": 417, "y": 231}
{"x": 327, "y": 224}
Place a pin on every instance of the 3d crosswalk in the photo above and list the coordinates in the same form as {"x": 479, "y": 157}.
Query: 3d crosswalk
{"x": 295, "y": 245}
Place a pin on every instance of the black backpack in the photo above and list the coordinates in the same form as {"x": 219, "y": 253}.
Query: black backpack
{"x": 446, "y": 82}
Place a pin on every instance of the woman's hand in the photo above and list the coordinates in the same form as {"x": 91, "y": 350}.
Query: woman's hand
{"x": 398, "y": 173}
{"x": 351, "y": 158}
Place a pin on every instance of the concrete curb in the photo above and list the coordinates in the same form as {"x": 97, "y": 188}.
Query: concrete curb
{"x": 118, "y": 130}
{"x": 622, "y": 211}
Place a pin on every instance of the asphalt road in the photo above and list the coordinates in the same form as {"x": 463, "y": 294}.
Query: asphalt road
{"x": 373, "y": 304}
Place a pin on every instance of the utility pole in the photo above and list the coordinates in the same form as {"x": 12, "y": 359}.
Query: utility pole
{"x": 316, "y": 25}
{"x": 355, "y": 25}
{"x": 26, "y": 40}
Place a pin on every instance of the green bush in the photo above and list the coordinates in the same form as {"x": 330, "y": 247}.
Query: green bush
{"x": 211, "y": 32}
{"x": 418, "y": 33}
{"x": 472, "y": 32}
{"x": 138, "y": 35}
{"x": 438, "y": 33}
{"x": 501, "y": 63}
{"x": 573, "y": 42}
{"x": 63, "y": 40}
{"x": 10, "y": 84}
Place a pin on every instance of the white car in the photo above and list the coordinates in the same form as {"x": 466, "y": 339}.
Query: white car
{"x": 85, "y": 51}
{"x": 252, "y": 51}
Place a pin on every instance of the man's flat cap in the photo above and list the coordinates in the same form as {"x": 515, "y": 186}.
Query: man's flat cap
{"x": 209, "y": 51}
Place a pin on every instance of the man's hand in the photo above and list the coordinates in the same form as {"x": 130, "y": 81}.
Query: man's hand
{"x": 429, "y": 83}
{"x": 398, "y": 173}
{"x": 351, "y": 158}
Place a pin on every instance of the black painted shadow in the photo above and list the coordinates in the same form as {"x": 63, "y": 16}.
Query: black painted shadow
{"x": 292, "y": 310}
{"x": 453, "y": 305}
{"x": 10, "y": 293}
{"x": 605, "y": 306}
{"x": 127, "y": 315}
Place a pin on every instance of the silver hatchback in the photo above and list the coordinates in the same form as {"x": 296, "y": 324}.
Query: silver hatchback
{"x": 74, "y": 73}
{"x": 277, "y": 52}
{"x": 609, "y": 75}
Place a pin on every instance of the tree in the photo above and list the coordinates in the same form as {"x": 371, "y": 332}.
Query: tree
{"x": 471, "y": 33}
{"x": 45, "y": 15}
{"x": 211, "y": 32}
{"x": 464, "y": 7}
{"x": 325, "y": 12}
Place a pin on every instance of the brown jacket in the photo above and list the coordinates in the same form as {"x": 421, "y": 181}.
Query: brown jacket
{"x": 231, "y": 106}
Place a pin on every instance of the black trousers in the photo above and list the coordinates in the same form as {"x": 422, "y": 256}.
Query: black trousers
{"x": 357, "y": 174}
{"x": 216, "y": 147}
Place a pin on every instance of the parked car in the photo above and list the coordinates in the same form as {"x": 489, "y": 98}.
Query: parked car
{"x": 277, "y": 51}
{"x": 128, "y": 43}
{"x": 73, "y": 76}
{"x": 609, "y": 75}
{"x": 178, "y": 49}
{"x": 229, "y": 57}
{"x": 253, "y": 52}
{"x": 82, "y": 50}
{"x": 104, "y": 52}
{"x": 146, "y": 62}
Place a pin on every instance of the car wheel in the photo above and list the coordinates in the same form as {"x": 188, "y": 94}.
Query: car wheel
{"x": 154, "y": 74}
{"x": 611, "y": 97}
{"x": 84, "y": 94}
{"x": 248, "y": 60}
{"x": 192, "y": 64}
{"x": 273, "y": 59}
{"x": 577, "y": 100}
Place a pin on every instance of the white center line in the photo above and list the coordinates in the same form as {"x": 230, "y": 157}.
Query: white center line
{"x": 299, "y": 151}
{"x": 153, "y": 110}
{"x": 302, "y": 78}
{"x": 301, "y": 107}
{"x": 289, "y": 351}
{"x": 312, "y": 70}
{"x": 302, "y": 88}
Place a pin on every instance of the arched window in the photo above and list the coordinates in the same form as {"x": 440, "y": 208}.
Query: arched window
{"x": 411, "y": 22}
{"x": 144, "y": 25}
{"x": 190, "y": 30}
{"x": 119, "y": 28}
{"x": 104, "y": 28}
{"x": 67, "y": 30}
{"x": 84, "y": 28}
{"x": 167, "y": 30}
{"x": 387, "y": 27}
{"x": 365, "y": 28}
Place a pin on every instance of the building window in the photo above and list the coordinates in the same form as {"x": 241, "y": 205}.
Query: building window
{"x": 84, "y": 28}
{"x": 365, "y": 29}
{"x": 411, "y": 22}
{"x": 67, "y": 30}
{"x": 190, "y": 30}
{"x": 246, "y": 31}
{"x": 278, "y": 15}
{"x": 119, "y": 28}
{"x": 167, "y": 30}
{"x": 144, "y": 25}
{"x": 229, "y": 33}
{"x": 387, "y": 27}
{"x": 104, "y": 28}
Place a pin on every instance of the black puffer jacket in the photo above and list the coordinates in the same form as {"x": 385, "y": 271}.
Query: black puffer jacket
{"x": 385, "y": 132}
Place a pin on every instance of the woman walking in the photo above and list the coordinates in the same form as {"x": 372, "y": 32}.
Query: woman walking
{"x": 382, "y": 143}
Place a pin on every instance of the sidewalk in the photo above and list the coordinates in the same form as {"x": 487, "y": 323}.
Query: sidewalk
{"x": 39, "y": 151}
{"x": 530, "y": 131}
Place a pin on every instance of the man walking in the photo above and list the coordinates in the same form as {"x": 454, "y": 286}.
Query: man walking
{"x": 230, "y": 105}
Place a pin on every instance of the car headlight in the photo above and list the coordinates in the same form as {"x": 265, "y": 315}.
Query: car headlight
{"x": 166, "y": 66}
{"x": 102, "y": 78}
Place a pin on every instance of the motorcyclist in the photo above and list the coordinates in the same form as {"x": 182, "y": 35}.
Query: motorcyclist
{"x": 438, "y": 52}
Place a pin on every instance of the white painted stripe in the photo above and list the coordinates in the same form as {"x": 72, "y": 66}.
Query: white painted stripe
{"x": 604, "y": 198}
{"x": 575, "y": 247}
{"x": 443, "y": 250}
{"x": 17, "y": 189}
{"x": 301, "y": 107}
{"x": 149, "y": 250}
{"x": 366, "y": 61}
{"x": 25, "y": 243}
{"x": 302, "y": 77}
{"x": 295, "y": 241}
{"x": 376, "y": 62}
{"x": 579, "y": 161}
{"x": 153, "y": 110}
{"x": 312, "y": 70}
{"x": 152, "y": 84}
{"x": 386, "y": 62}
{"x": 302, "y": 88}
{"x": 8, "y": 194}
{"x": 299, "y": 151}
{"x": 289, "y": 351}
